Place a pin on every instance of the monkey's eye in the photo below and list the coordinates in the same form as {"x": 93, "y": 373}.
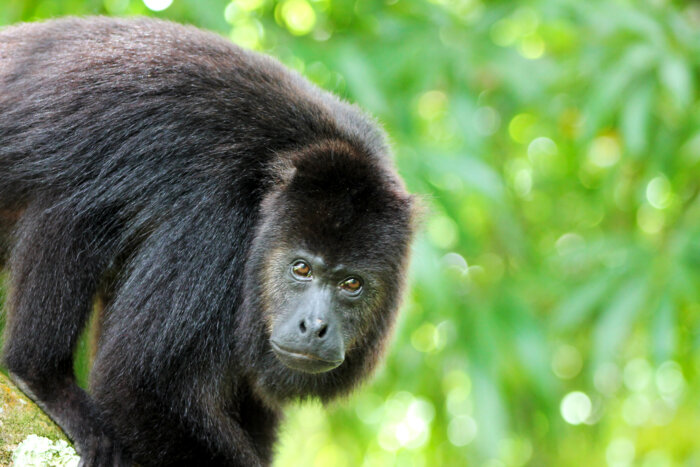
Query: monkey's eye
{"x": 301, "y": 269}
{"x": 351, "y": 285}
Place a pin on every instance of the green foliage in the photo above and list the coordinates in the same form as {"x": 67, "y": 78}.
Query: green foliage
{"x": 553, "y": 314}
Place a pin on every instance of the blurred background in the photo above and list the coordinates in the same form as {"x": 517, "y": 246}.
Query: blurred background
{"x": 553, "y": 316}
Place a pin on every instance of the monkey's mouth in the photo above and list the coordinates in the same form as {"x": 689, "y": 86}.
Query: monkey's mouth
{"x": 303, "y": 361}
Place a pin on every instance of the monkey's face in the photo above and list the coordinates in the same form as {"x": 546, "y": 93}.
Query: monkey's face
{"x": 325, "y": 274}
{"x": 317, "y": 309}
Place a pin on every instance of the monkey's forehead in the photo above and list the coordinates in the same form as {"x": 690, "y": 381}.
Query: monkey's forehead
{"x": 344, "y": 233}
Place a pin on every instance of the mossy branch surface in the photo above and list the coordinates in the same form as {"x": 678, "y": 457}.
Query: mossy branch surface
{"x": 20, "y": 417}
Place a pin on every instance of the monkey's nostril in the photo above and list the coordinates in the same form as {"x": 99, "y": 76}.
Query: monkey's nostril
{"x": 322, "y": 331}
{"x": 302, "y": 326}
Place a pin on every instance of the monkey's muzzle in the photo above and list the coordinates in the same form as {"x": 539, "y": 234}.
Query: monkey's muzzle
{"x": 303, "y": 360}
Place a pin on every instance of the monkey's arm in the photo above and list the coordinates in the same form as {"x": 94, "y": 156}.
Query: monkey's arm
{"x": 215, "y": 426}
{"x": 224, "y": 415}
{"x": 187, "y": 416}
{"x": 57, "y": 261}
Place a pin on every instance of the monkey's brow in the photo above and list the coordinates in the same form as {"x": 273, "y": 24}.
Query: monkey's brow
{"x": 314, "y": 258}
{"x": 317, "y": 261}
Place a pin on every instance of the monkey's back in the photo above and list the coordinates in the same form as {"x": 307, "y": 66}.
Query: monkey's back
{"x": 86, "y": 104}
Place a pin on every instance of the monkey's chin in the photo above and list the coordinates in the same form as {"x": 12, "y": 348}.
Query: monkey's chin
{"x": 303, "y": 362}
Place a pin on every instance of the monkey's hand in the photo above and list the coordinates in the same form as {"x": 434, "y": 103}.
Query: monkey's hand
{"x": 102, "y": 451}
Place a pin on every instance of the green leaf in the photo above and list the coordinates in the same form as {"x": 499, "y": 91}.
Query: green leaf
{"x": 610, "y": 87}
{"x": 362, "y": 80}
{"x": 663, "y": 330}
{"x": 489, "y": 411}
{"x": 580, "y": 304}
{"x": 473, "y": 171}
{"x": 617, "y": 318}
{"x": 635, "y": 117}
{"x": 677, "y": 79}
{"x": 533, "y": 352}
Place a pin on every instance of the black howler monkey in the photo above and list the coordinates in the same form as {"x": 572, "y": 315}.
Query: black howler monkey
{"x": 246, "y": 231}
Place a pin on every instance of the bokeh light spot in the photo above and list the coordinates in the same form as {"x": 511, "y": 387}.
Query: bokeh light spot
{"x": 569, "y": 243}
{"x": 232, "y": 12}
{"x": 462, "y": 430}
{"x": 458, "y": 401}
{"x": 531, "y": 46}
{"x": 504, "y": 32}
{"x": 669, "y": 379}
{"x": 522, "y": 183}
{"x": 659, "y": 192}
{"x": 407, "y": 423}
{"x": 443, "y": 231}
{"x": 604, "y": 151}
{"x": 521, "y": 126}
{"x": 541, "y": 150}
{"x": 298, "y": 16}
{"x": 116, "y": 7}
{"x": 457, "y": 379}
{"x": 425, "y": 338}
{"x": 432, "y": 105}
{"x": 637, "y": 374}
{"x": 567, "y": 362}
{"x": 157, "y": 5}
{"x": 247, "y": 33}
{"x": 455, "y": 262}
{"x": 575, "y": 407}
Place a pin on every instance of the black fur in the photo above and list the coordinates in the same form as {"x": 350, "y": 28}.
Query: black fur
{"x": 157, "y": 167}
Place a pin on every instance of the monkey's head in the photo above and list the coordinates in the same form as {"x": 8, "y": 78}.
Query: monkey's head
{"x": 326, "y": 271}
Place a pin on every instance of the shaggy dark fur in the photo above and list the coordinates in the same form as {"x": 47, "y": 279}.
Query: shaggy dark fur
{"x": 166, "y": 171}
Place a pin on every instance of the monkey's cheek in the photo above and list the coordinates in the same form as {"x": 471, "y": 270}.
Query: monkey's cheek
{"x": 303, "y": 362}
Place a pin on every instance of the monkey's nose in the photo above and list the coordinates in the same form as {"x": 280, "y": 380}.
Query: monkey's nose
{"x": 317, "y": 327}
